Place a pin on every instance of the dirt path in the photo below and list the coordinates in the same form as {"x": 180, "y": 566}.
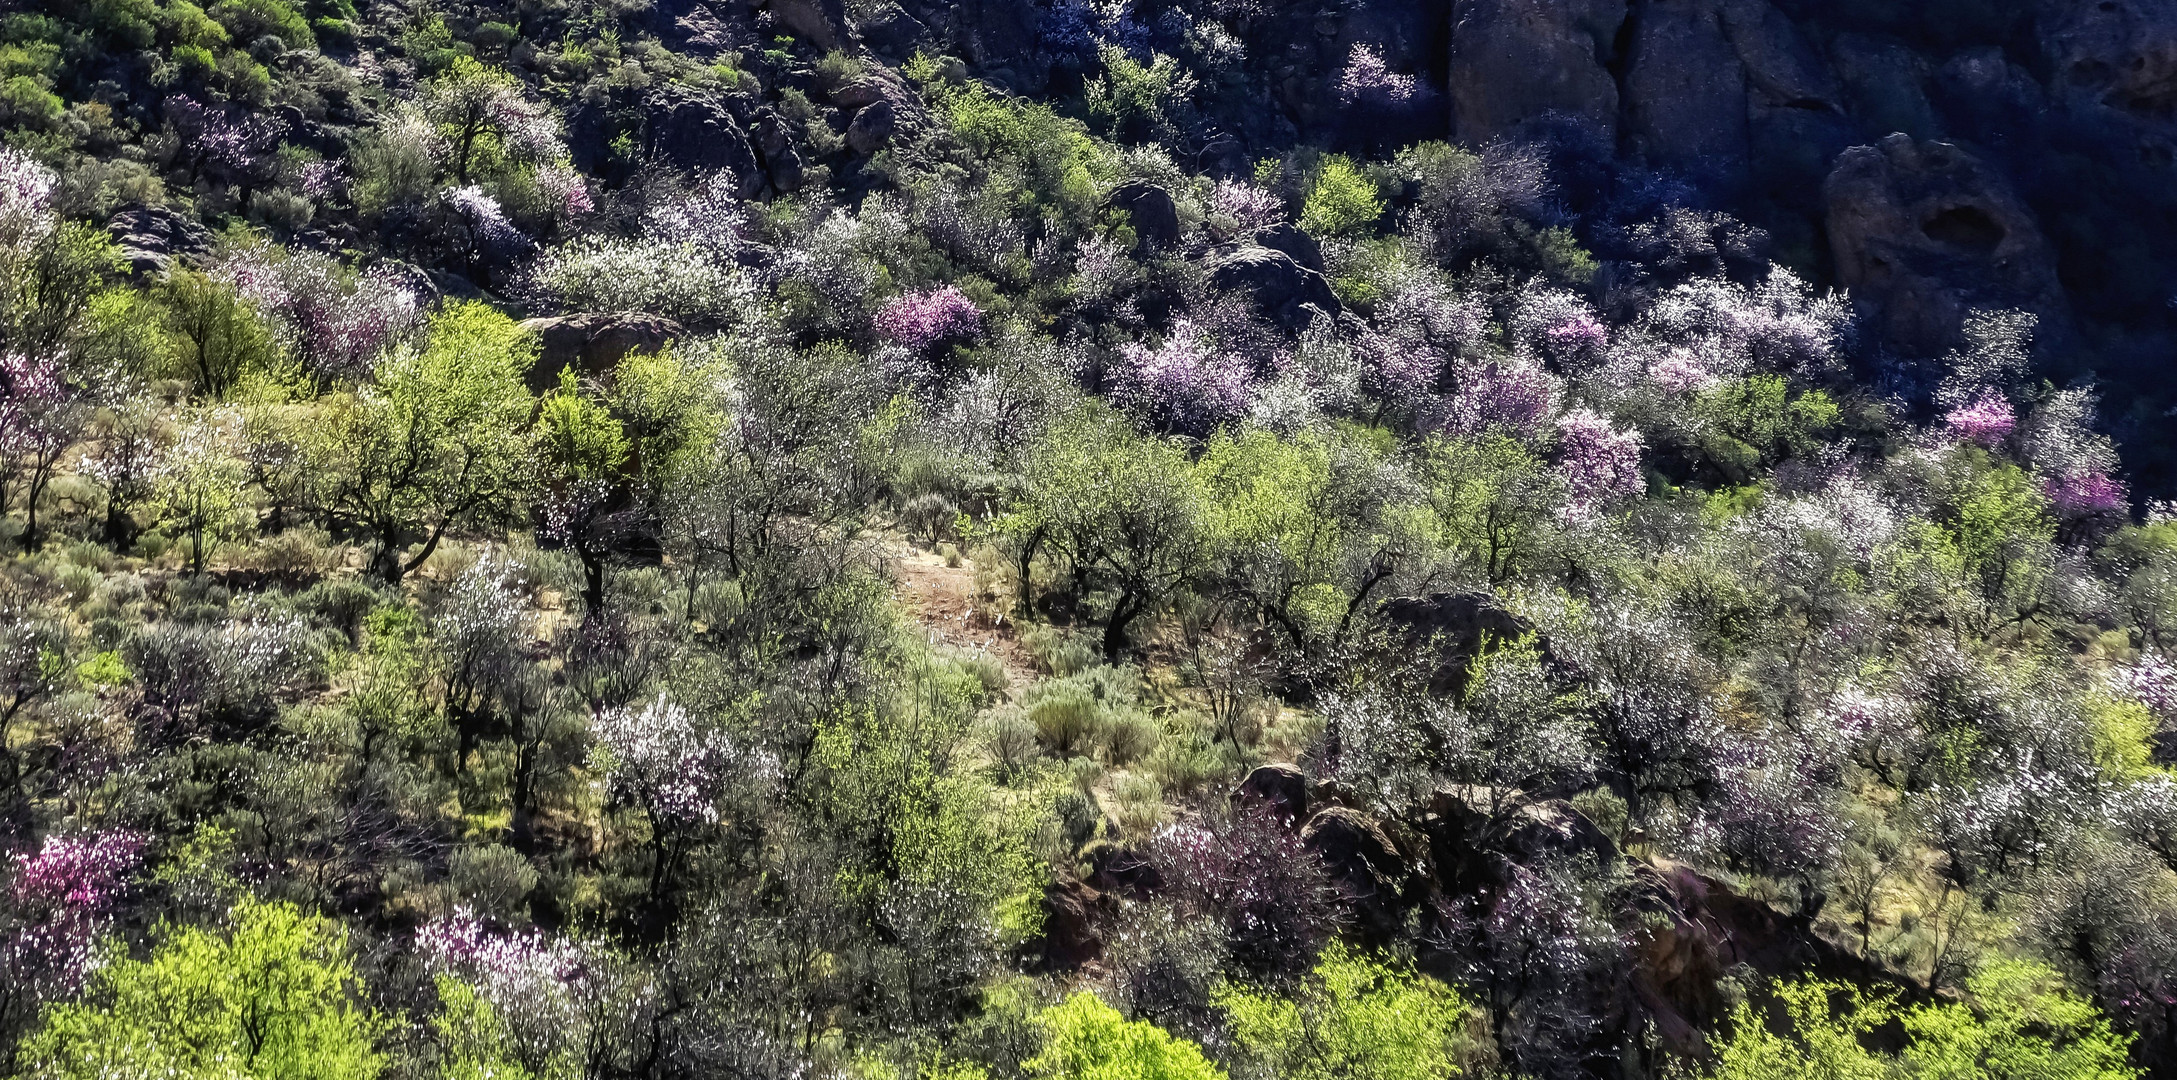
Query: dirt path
{"x": 941, "y": 599}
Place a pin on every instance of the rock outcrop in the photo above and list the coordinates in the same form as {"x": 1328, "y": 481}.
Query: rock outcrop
{"x": 1282, "y": 789}
{"x": 697, "y": 132}
{"x": 1280, "y": 287}
{"x": 151, "y": 237}
{"x": 1451, "y": 629}
{"x": 1923, "y": 232}
{"x": 593, "y": 343}
{"x": 1517, "y": 61}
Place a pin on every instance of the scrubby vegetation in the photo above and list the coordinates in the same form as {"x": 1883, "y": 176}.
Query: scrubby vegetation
{"x": 1005, "y": 589}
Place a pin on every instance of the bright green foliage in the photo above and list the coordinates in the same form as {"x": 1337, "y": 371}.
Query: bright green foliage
{"x": 462, "y": 100}
{"x": 1352, "y": 1016}
{"x": 1489, "y": 502}
{"x": 1285, "y": 514}
{"x": 439, "y": 442}
{"x": 472, "y": 1042}
{"x": 1343, "y": 199}
{"x": 249, "y": 20}
{"x": 578, "y": 436}
{"x": 47, "y": 283}
{"x": 214, "y": 338}
{"x": 2017, "y": 1023}
{"x": 1140, "y": 101}
{"x": 274, "y": 999}
{"x": 1089, "y": 1040}
{"x": 1122, "y": 510}
{"x": 669, "y": 411}
{"x": 1041, "y": 163}
{"x": 1747, "y": 423}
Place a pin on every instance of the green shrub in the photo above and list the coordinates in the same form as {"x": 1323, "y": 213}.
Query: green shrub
{"x": 1086, "y": 1039}
{"x": 1352, "y": 1016}
{"x": 1342, "y": 200}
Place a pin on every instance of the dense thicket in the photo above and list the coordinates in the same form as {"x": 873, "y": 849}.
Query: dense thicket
{"x": 965, "y": 586}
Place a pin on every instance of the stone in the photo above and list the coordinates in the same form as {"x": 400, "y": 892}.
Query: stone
{"x": 1685, "y": 90}
{"x": 1294, "y": 241}
{"x": 1532, "y": 831}
{"x": 1924, "y": 232}
{"x": 1281, "y": 788}
{"x": 823, "y": 23}
{"x": 1073, "y": 916}
{"x": 1516, "y": 61}
{"x": 1364, "y": 862}
{"x": 697, "y": 132}
{"x": 2119, "y": 55}
{"x": 872, "y": 128}
{"x": 1280, "y": 287}
{"x": 1150, "y": 210}
{"x": 593, "y": 343}
{"x": 151, "y": 237}
{"x": 1455, "y": 626}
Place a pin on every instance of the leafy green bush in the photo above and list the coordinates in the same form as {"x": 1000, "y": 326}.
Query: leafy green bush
{"x": 275, "y": 998}
{"x": 1352, "y": 1016}
{"x": 1088, "y": 1040}
{"x": 1342, "y": 200}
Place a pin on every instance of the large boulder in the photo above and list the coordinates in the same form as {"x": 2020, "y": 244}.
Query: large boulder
{"x": 1685, "y": 89}
{"x": 1924, "y": 232}
{"x": 151, "y": 237}
{"x": 593, "y": 343}
{"x": 872, "y": 128}
{"x": 1074, "y": 913}
{"x": 2119, "y": 55}
{"x": 1294, "y": 241}
{"x": 1450, "y": 629}
{"x": 1280, "y": 788}
{"x": 1514, "y": 61}
{"x": 1151, "y": 211}
{"x": 1533, "y": 831}
{"x": 1281, "y": 288}
{"x": 1364, "y": 862}
{"x": 693, "y": 131}
{"x": 822, "y": 23}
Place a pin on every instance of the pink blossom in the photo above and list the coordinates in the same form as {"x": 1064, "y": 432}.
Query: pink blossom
{"x": 26, "y": 196}
{"x": 32, "y": 394}
{"x": 66, "y": 895}
{"x": 321, "y": 179}
{"x": 1681, "y": 371}
{"x": 2152, "y": 682}
{"x": 1986, "y": 420}
{"x": 1251, "y": 206}
{"x": 2085, "y": 494}
{"x": 1578, "y": 337}
{"x": 484, "y": 216}
{"x": 561, "y": 183}
{"x": 1599, "y": 464}
{"x": 1513, "y": 397}
{"x": 919, "y": 320}
{"x": 1186, "y": 385}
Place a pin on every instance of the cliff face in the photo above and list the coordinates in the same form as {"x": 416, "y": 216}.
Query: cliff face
{"x": 1933, "y": 157}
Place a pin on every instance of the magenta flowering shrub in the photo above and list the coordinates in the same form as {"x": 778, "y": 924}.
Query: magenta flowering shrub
{"x": 1774, "y": 813}
{"x": 919, "y": 320}
{"x": 1250, "y": 206}
{"x": 65, "y": 898}
{"x": 226, "y": 146}
{"x": 1599, "y": 464}
{"x": 2083, "y": 495}
{"x": 1680, "y": 371}
{"x": 1277, "y": 900}
{"x": 338, "y": 320}
{"x": 1987, "y": 420}
{"x": 1186, "y": 385}
{"x": 565, "y": 188}
{"x": 2152, "y": 681}
{"x": 1516, "y": 398}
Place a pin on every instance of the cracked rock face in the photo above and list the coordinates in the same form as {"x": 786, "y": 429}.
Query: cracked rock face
{"x": 1924, "y": 232}
{"x": 1516, "y": 61}
{"x": 2119, "y": 55}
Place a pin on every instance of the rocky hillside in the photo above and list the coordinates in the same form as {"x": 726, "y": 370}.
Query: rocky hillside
{"x": 994, "y": 540}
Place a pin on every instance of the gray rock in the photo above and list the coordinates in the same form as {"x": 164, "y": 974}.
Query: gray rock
{"x": 151, "y": 237}
{"x": 593, "y": 343}
{"x": 1290, "y": 239}
{"x": 2119, "y": 55}
{"x": 1281, "y": 288}
{"x": 1923, "y": 232}
{"x": 1151, "y": 211}
{"x": 697, "y": 132}
{"x": 822, "y": 22}
{"x": 1685, "y": 89}
{"x": 1280, "y": 787}
{"x": 872, "y": 128}
{"x": 1513, "y": 61}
